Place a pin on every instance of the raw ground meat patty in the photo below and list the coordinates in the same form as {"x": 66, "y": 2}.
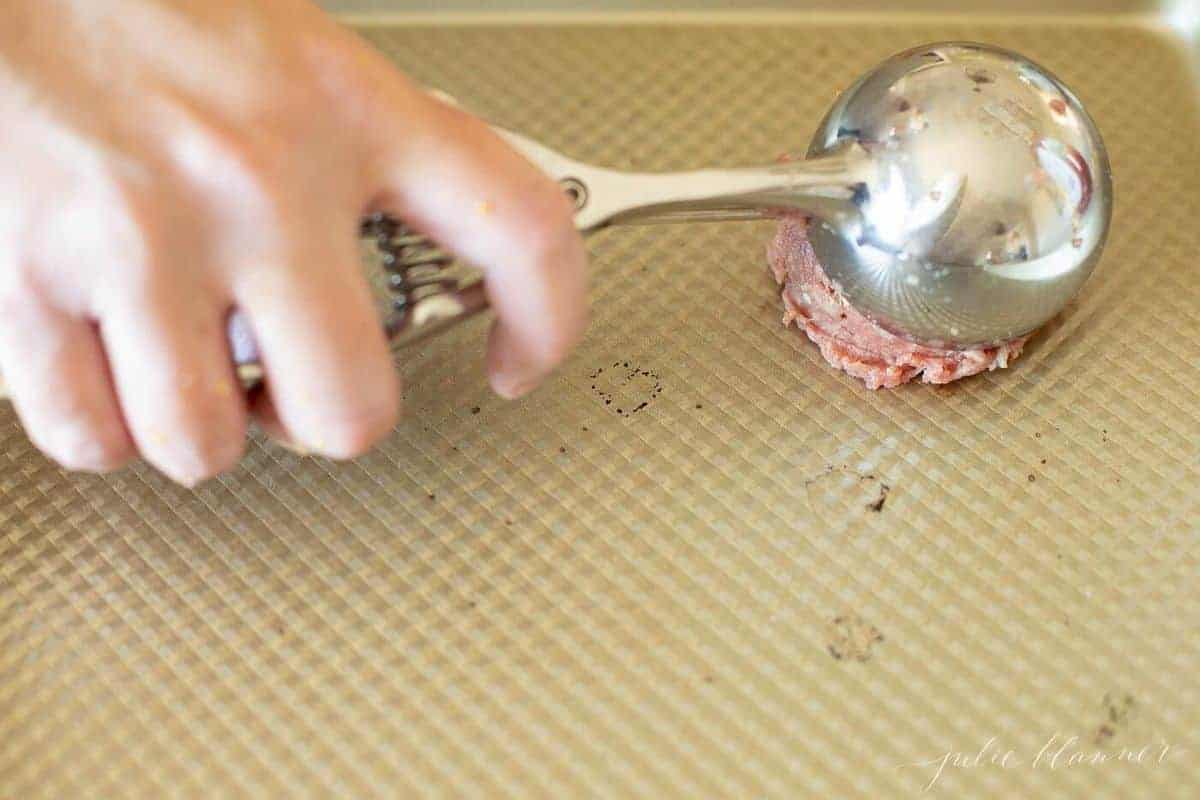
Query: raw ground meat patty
{"x": 850, "y": 341}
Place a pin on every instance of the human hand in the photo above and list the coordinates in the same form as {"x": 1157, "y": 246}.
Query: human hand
{"x": 163, "y": 164}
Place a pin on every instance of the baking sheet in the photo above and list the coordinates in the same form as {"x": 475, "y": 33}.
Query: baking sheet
{"x": 698, "y": 562}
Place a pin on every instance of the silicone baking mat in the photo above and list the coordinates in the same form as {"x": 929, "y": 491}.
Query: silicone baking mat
{"x": 698, "y": 562}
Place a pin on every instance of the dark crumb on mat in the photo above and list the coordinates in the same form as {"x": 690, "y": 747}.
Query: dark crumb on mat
{"x": 475, "y": 410}
{"x": 852, "y": 638}
{"x": 877, "y": 506}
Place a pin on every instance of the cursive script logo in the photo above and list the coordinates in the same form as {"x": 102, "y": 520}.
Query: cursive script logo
{"x": 1059, "y": 752}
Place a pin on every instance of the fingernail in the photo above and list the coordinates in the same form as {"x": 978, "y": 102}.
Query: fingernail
{"x": 298, "y": 449}
{"x": 516, "y": 388}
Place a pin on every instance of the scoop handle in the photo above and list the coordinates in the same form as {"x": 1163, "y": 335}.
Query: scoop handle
{"x": 827, "y": 186}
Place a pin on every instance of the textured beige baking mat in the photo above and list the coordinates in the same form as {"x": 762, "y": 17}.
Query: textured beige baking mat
{"x": 698, "y": 562}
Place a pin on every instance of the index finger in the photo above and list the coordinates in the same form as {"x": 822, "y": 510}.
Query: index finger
{"x": 448, "y": 175}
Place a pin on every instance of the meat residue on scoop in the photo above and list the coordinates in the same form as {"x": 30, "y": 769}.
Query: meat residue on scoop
{"x": 850, "y": 341}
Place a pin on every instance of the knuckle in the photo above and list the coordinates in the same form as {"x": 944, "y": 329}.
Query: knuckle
{"x": 20, "y": 283}
{"x": 245, "y": 162}
{"x": 550, "y": 227}
{"x": 557, "y": 254}
{"x": 244, "y": 169}
{"x": 135, "y": 230}
{"x": 132, "y": 198}
{"x": 329, "y": 59}
{"x": 255, "y": 168}
{"x": 342, "y": 75}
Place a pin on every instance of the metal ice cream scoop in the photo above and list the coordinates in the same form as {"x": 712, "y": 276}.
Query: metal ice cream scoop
{"x": 960, "y": 192}
{"x": 962, "y": 195}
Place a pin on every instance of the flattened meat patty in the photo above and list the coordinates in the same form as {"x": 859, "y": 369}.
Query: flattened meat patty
{"x": 850, "y": 341}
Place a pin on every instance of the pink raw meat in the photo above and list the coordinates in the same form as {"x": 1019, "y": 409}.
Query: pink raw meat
{"x": 849, "y": 340}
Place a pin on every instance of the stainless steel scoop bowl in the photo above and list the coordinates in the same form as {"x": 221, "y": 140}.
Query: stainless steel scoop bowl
{"x": 960, "y": 195}
{"x": 985, "y": 195}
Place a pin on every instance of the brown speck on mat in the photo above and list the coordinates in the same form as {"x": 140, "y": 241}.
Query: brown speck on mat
{"x": 884, "y": 489}
{"x": 1118, "y": 711}
{"x": 850, "y": 637}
